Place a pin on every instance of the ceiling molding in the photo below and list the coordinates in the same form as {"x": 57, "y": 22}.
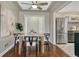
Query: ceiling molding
{"x": 58, "y": 5}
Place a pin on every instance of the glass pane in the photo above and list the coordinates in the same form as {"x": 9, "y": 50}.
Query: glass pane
{"x": 61, "y": 35}
{"x": 34, "y": 23}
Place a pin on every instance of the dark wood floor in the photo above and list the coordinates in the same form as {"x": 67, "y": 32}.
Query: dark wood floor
{"x": 53, "y": 52}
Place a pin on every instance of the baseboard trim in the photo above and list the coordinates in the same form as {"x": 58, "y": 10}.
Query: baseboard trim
{"x": 5, "y": 51}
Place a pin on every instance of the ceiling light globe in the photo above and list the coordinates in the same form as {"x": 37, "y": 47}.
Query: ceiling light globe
{"x": 34, "y": 6}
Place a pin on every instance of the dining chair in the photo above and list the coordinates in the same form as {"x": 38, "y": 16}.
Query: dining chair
{"x": 47, "y": 44}
{"x": 26, "y": 40}
{"x": 31, "y": 40}
{"x": 16, "y": 42}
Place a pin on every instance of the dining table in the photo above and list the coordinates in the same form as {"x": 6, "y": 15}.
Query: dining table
{"x": 42, "y": 37}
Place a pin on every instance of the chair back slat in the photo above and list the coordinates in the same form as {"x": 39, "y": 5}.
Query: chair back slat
{"x": 47, "y": 35}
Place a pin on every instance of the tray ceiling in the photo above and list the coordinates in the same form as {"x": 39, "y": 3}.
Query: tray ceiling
{"x": 26, "y": 6}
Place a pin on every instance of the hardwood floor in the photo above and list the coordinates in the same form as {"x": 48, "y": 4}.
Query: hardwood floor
{"x": 53, "y": 52}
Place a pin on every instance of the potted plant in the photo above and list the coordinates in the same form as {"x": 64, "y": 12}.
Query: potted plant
{"x": 19, "y": 27}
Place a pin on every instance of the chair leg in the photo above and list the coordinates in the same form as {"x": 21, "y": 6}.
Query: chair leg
{"x": 24, "y": 49}
{"x": 49, "y": 49}
{"x": 15, "y": 49}
{"x": 36, "y": 50}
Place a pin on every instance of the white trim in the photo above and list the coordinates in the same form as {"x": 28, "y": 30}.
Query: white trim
{"x": 1, "y": 54}
{"x": 54, "y": 29}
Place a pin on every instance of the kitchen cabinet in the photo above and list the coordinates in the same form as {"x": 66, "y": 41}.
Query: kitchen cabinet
{"x": 76, "y": 44}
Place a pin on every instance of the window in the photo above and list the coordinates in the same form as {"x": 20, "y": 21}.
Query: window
{"x": 34, "y": 23}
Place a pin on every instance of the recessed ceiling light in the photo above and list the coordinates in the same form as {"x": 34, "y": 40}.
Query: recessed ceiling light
{"x": 34, "y": 6}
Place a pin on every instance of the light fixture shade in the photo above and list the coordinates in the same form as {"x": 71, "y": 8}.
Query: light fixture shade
{"x": 34, "y": 6}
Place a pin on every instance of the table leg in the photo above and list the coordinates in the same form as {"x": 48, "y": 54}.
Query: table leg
{"x": 42, "y": 44}
{"x": 20, "y": 45}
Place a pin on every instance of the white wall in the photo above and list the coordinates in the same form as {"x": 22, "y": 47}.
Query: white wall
{"x": 11, "y": 6}
{"x": 9, "y": 15}
{"x": 52, "y": 27}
